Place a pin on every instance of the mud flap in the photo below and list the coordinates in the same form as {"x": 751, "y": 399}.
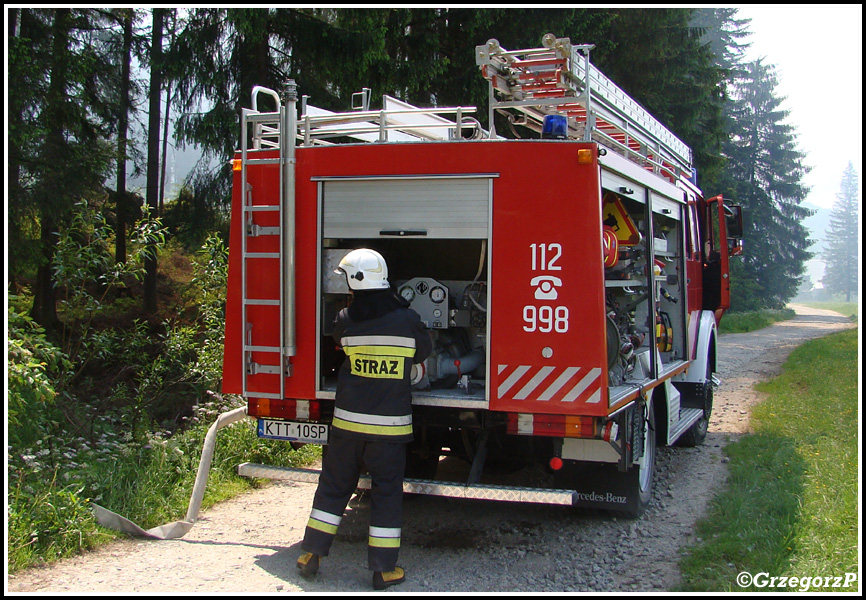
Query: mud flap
{"x": 614, "y": 486}
{"x": 602, "y": 486}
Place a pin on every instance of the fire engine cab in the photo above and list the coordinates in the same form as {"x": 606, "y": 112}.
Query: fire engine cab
{"x": 572, "y": 280}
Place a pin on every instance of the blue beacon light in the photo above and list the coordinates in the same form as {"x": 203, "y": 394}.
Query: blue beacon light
{"x": 554, "y": 127}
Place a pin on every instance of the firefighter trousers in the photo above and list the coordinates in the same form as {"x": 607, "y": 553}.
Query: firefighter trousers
{"x": 341, "y": 467}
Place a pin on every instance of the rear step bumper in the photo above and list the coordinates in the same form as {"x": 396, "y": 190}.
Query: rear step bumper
{"x": 424, "y": 487}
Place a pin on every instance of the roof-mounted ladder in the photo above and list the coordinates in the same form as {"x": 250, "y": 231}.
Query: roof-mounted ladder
{"x": 553, "y": 80}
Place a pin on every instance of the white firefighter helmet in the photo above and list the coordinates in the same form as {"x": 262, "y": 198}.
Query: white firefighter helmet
{"x": 365, "y": 270}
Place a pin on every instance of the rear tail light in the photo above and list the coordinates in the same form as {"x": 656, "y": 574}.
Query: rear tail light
{"x": 552, "y": 425}
{"x": 284, "y": 409}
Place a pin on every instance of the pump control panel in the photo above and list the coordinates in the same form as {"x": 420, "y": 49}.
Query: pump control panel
{"x": 429, "y": 298}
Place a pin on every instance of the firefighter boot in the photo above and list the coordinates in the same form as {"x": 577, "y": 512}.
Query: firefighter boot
{"x": 308, "y": 563}
{"x": 382, "y": 580}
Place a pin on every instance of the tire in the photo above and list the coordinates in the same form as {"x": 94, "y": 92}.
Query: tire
{"x": 640, "y": 478}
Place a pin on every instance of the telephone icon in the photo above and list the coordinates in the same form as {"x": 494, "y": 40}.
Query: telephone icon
{"x": 546, "y": 285}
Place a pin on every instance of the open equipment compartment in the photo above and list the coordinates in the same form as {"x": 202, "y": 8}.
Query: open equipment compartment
{"x": 434, "y": 234}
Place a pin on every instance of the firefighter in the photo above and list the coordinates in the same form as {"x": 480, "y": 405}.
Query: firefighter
{"x": 382, "y": 337}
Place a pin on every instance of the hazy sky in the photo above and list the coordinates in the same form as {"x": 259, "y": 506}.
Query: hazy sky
{"x": 818, "y": 54}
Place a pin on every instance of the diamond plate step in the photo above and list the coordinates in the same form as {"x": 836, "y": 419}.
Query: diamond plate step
{"x": 688, "y": 417}
{"x": 423, "y": 487}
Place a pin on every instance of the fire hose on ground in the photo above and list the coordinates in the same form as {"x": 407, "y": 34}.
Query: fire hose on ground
{"x": 178, "y": 529}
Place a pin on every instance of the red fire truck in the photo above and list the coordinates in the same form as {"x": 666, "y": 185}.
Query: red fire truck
{"x": 572, "y": 279}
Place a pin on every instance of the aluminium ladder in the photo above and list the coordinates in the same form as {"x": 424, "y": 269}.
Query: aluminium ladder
{"x": 559, "y": 79}
{"x": 267, "y": 130}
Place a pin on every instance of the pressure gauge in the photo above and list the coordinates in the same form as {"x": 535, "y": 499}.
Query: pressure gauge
{"x": 437, "y": 294}
{"x": 408, "y": 293}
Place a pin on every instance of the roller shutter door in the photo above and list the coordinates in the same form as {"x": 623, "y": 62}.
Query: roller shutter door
{"x": 434, "y": 208}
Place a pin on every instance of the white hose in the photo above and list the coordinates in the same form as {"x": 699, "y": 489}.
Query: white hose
{"x": 206, "y": 457}
{"x": 178, "y": 529}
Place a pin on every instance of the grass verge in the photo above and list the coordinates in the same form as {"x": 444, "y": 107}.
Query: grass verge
{"x": 849, "y": 309}
{"x": 147, "y": 480}
{"x": 790, "y": 507}
{"x": 743, "y": 322}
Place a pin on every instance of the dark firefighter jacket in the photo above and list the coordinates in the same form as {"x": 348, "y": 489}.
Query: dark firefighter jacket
{"x": 382, "y": 337}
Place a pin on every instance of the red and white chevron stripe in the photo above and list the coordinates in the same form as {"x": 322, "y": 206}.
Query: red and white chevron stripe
{"x": 553, "y": 384}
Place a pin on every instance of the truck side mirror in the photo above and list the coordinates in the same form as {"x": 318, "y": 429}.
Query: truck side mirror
{"x": 735, "y": 247}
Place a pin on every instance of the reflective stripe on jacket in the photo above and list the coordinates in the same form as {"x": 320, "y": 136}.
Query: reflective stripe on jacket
{"x": 372, "y": 424}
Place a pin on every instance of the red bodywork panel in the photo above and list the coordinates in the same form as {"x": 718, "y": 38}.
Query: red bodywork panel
{"x": 546, "y": 336}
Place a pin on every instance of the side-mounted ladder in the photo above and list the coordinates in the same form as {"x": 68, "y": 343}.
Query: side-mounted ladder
{"x": 559, "y": 79}
{"x": 266, "y": 129}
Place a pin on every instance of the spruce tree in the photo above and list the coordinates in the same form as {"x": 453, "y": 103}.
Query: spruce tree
{"x": 63, "y": 114}
{"x": 765, "y": 172}
{"x": 662, "y": 61}
{"x": 125, "y": 18}
{"x": 154, "y": 94}
{"x": 29, "y": 45}
{"x": 723, "y": 32}
{"x": 843, "y": 236}
{"x": 220, "y": 54}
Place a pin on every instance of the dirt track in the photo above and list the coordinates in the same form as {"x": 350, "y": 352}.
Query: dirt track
{"x": 250, "y": 543}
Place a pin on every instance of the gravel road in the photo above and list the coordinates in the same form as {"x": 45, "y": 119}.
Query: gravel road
{"x": 250, "y": 543}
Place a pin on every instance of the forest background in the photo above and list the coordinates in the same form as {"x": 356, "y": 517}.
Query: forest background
{"x": 115, "y": 301}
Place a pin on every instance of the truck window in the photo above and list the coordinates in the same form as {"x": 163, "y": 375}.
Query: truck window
{"x": 693, "y": 247}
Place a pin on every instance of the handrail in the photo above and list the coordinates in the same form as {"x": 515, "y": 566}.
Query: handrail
{"x": 370, "y": 114}
{"x": 358, "y": 123}
{"x": 260, "y": 131}
{"x": 315, "y": 124}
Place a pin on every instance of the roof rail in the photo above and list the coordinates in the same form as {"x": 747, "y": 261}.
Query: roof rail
{"x": 396, "y": 121}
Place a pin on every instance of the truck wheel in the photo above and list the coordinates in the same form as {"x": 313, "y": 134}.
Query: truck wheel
{"x": 697, "y": 433}
{"x": 638, "y": 481}
{"x": 641, "y": 477}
